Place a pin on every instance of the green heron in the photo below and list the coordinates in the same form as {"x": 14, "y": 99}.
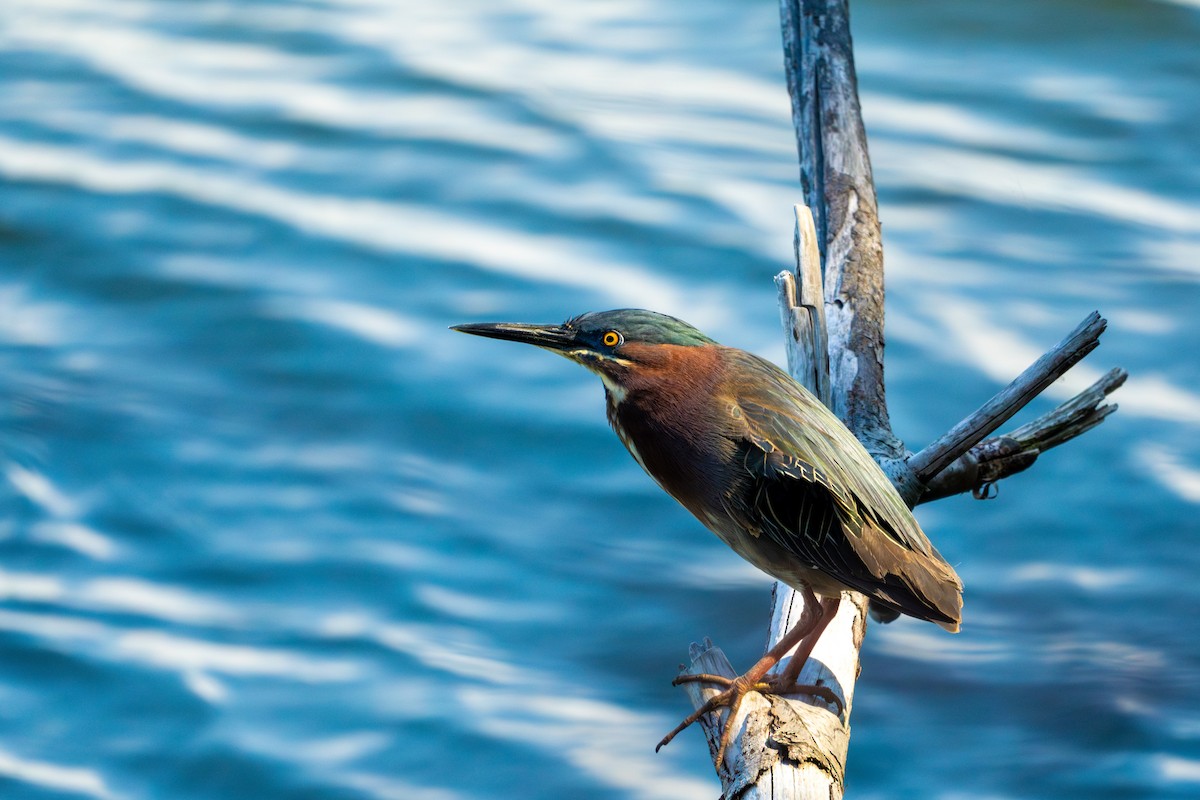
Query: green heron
{"x": 766, "y": 467}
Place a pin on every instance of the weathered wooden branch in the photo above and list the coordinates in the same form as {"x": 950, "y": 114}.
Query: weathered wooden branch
{"x": 784, "y": 748}
{"x": 802, "y": 310}
{"x": 835, "y": 175}
{"x": 995, "y": 412}
{"x": 788, "y": 748}
{"x": 978, "y": 469}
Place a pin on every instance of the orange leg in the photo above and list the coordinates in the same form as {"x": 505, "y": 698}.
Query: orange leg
{"x": 805, "y": 634}
{"x": 829, "y": 609}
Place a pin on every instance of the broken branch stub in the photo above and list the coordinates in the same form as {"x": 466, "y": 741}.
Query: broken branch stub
{"x": 992, "y": 414}
{"x": 1015, "y": 451}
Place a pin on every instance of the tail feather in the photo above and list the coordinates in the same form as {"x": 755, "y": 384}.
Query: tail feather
{"x": 921, "y": 585}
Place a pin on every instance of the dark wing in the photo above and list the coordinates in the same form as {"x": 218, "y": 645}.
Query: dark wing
{"x": 816, "y": 492}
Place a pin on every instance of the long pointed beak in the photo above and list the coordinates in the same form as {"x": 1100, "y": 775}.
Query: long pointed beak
{"x": 551, "y": 337}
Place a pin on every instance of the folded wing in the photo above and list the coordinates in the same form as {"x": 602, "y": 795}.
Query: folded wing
{"x": 817, "y": 493}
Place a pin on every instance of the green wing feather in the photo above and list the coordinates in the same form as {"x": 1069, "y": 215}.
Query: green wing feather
{"x": 820, "y": 495}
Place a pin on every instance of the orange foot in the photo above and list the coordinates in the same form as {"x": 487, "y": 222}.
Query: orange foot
{"x": 732, "y": 697}
{"x": 803, "y": 636}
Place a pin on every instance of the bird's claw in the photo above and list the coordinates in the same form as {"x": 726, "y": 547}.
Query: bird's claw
{"x": 702, "y": 677}
{"x": 815, "y": 690}
{"x": 732, "y": 697}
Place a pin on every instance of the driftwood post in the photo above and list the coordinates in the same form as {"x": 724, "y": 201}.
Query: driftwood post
{"x": 833, "y": 322}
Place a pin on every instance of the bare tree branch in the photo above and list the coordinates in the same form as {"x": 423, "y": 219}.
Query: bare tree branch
{"x": 1000, "y": 456}
{"x": 1026, "y": 386}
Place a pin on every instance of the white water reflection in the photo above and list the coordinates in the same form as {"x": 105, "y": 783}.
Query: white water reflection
{"x": 55, "y": 777}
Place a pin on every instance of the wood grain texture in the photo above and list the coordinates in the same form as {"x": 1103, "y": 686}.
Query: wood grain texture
{"x": 835, "y": 175}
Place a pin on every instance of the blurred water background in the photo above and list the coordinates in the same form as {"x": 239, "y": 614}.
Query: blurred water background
{"x": 269, "y": 530}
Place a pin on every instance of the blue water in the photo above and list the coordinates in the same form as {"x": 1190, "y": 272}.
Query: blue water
{"x": 269, "y": 530}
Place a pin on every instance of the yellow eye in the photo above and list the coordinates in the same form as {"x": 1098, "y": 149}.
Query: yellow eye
{"x": 611, "y": 339}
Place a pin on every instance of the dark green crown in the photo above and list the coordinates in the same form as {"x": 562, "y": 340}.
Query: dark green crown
{"x": 638, "y": 325}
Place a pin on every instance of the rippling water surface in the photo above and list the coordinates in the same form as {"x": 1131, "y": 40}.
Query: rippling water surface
{"x": 270, "y": 531}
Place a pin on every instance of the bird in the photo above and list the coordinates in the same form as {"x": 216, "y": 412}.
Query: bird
{"x": 764, "y": 465}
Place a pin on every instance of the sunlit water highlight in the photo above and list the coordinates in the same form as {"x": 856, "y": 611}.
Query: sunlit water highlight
{"x": 272, "y": 531}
